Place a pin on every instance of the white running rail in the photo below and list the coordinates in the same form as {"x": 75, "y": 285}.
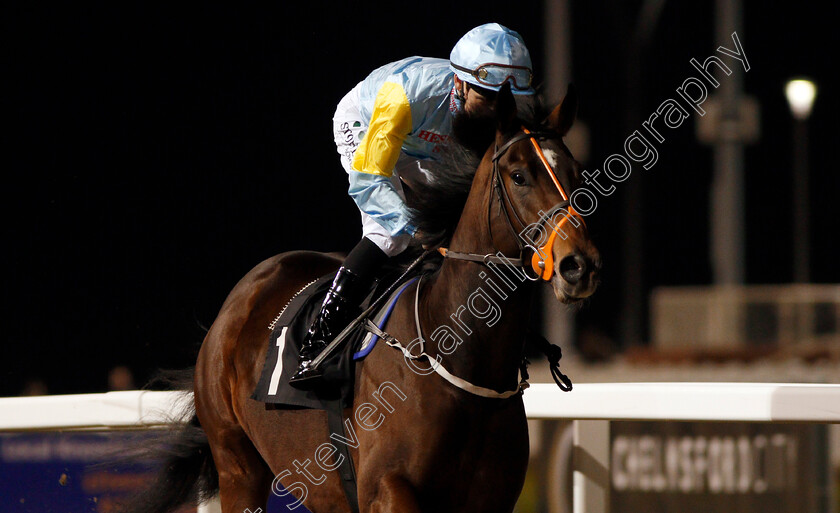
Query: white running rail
{"x": 591, "y": 406}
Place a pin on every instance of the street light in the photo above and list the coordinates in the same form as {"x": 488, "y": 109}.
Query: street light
{"x": 800, "y": 96}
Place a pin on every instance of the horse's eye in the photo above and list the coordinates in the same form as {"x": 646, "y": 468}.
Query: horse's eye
{"x": 518, "y": 178}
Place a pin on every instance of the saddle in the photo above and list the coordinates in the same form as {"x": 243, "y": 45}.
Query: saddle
{"x": 288, "y": 331}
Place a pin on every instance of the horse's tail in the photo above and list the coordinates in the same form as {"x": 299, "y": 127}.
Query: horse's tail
{"x": 187, "y": 473}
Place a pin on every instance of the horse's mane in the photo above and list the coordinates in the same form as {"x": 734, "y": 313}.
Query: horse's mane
{"x": 436, "y": 206}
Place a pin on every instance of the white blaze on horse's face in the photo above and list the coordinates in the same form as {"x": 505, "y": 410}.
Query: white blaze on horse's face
{"x": 577, "y": 266}
{"x": 552, "y": 157}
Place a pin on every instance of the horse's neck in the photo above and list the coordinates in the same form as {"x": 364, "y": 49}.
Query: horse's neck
{"x": 486, "y": 310}
{"x": 484, "y": 307}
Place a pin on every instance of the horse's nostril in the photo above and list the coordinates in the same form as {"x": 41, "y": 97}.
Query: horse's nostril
{"x": 573, "y": 268}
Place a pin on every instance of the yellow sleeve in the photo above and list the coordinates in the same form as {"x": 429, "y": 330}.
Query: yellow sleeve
{"x": 389, "y": 125}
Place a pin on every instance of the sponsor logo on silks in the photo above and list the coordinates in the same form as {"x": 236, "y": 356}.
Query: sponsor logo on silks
{"x": 433, "y": 138}
{"x": 351, "y": 139}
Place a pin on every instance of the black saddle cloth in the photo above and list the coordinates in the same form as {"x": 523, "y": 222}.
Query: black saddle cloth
{"x": 287, "y": 334}
{"x": 288, "y": 331}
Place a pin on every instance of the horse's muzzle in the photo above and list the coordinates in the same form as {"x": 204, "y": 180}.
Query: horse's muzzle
{"x": 577, "y": 275}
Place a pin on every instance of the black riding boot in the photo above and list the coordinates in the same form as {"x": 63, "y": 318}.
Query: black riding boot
{"x": 339, "y": 308}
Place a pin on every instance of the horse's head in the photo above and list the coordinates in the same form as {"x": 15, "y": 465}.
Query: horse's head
{"x": 533, "y": 175}
{"x": 516, "y": 203}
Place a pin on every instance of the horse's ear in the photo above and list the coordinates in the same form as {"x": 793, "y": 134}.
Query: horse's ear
{"x": 562, "y": 117}
{"x": 505, "y": 108}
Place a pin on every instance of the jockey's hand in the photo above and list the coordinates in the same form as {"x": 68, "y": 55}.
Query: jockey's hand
{"x": 419, "y": 236}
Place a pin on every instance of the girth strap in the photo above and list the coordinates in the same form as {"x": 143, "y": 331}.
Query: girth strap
{"x": 335, "y": 423}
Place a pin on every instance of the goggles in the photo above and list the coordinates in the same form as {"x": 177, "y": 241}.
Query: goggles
{"x": 494, "y": 75}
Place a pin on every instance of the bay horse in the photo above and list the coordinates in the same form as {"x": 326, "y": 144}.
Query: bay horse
{"x": 421, "y": 444}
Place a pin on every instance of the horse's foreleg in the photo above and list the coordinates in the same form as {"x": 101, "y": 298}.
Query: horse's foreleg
{"x": 244, "y": 478}
{"x": 395, "y": 495}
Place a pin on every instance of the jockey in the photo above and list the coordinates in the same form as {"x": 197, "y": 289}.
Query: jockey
{"x": 389, "y": 129}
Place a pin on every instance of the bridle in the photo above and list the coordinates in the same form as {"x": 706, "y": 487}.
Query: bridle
{"x": 542, "y": 260}
{"x": 541, "y": 263}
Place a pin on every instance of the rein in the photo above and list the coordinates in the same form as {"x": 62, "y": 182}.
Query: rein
{"x": 541, "y": 261}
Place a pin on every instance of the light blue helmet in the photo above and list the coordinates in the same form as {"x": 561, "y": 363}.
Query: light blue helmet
{"x": 490, "y": 55}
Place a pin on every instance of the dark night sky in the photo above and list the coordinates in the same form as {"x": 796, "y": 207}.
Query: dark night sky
{"x": 154, "y": 156}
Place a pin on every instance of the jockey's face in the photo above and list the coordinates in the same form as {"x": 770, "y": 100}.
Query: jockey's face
{"x": 478, "y": 102}
{"x": 474, "y": 126}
